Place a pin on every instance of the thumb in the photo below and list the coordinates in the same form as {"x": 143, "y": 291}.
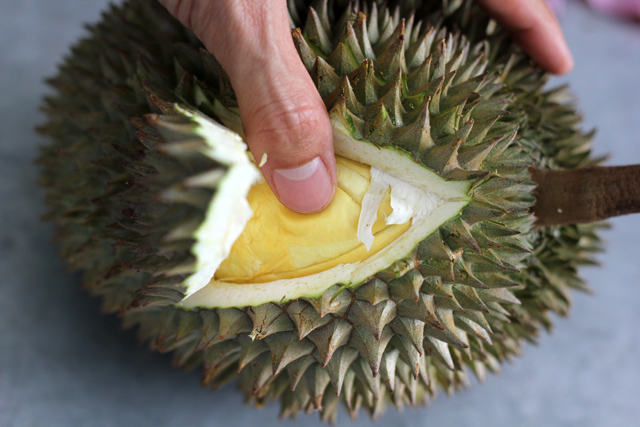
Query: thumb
{"x": 284, "y": 118}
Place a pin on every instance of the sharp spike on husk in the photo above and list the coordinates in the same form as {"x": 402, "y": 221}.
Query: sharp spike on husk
{"x": 250, "y": 350}
{"x": 411, "y": 329}
{"x": 315, "y": 32}
{"x": 433, "y": 285}
{"x": 364, "y": 83}
{"x": 268, "y": 319}
{"x": 370, "y": 347}
{"x": 324, "y": 77}
{"x": 328, "y": 338}
{"x": 423, "y": 310}
{"x": 408, "y": 353}
{"x": 210, "y": 327}
{"x": 406, "y": 287}
{"x": 475, "y": 329}
{"x": 364, "y": 374}
{"x": 297, "y": 368}
{"x": 374, "y": 292}
{"x": 468, "y": 298}
{"x": 217, "y": 357}
{"x": 458, "y": 235}
{"x": 335, "y": 300}
{"x": 449, "y": 332}
{"x": 362, "y": 34}
{"x": 339, "y": 364}
{"x": 285, "y": 347}
{"x": 305, "y": 317}
{"x": 344, "y": 94}
{"x": 232, "y": 322}
{"x": 343, "y": 59}
{"x": 379, "y": 127}
{"x": 388, "y": 368}
{"x": 418, "y": 51}
{"x": 440, "y": 351}
{"x": 478, "y": 212}
{"x": 419, "y": 77}
{"x": 373, "y": 318}
{"x": 443, "y": 159}
{"x": 391, "y": 60}
{"x": 318, "y": 380}
{"x": 415, "y": 137}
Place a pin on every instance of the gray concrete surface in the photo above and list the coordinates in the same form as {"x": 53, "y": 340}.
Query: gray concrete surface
{"x": 63, "y": 364}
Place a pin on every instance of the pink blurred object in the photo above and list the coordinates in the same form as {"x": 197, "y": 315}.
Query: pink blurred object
{"x": 629, "y": 9}
{"x": 556, "y": 6}
{"x": 622, "y": 8}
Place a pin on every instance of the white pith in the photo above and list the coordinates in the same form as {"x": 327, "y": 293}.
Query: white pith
{"x": 213, "y": 242}
{"x": 417, "y": 194}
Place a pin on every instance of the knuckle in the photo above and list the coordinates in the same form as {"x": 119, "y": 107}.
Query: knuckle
{"x": 295, "y": 127}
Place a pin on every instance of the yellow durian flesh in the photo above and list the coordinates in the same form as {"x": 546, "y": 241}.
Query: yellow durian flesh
{"x": 278, "y": 243}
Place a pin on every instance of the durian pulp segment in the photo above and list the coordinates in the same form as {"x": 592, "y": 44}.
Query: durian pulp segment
{"x": 390, "y": 161}
{"x": 278, "y": 243}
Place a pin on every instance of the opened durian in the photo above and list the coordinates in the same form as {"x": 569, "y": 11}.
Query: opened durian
{"x": 426, "y": 266}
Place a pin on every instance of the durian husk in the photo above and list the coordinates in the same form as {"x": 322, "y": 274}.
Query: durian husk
{"x": 441, "y": 82}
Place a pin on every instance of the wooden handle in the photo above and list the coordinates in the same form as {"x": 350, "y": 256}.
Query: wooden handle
{"x": 585, "y": 195}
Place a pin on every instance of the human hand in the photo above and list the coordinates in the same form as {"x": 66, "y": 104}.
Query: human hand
{"x": 534, "y": 27}
{"x": 282, "y": 113}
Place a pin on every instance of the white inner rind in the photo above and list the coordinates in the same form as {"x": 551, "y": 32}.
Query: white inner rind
{"x": 418, "y": 194}
{"x": 227, "y": 214}
{"x": 407, "y": 201}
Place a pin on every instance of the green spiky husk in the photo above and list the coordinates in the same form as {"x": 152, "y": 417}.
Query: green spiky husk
{"x": 467, "y": 104}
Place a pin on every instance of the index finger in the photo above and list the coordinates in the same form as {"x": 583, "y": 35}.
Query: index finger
{"x": 534, "y": 27}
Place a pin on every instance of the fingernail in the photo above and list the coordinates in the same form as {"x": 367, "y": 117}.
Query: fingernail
{"x": 305, "y": 189}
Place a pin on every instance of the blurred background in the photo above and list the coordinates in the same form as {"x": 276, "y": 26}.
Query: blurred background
{"x": 64, "y": 364}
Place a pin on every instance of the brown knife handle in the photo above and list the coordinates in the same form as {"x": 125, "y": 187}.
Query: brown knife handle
{"x": 585, "y": 195}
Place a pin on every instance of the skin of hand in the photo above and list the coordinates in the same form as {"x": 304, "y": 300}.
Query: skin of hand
{"x": 282, "y": 113}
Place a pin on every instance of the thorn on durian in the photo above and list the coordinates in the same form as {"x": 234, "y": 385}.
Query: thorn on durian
{"x": 373, "y": 318}
{"x": 443, "y": 159}
{"x": 306, "y": 53}
{"x": 305, "y": 317}
{"x": 407, "y": 286}
{"x": 324, "y": 77}
{"x": 297, "y": 368}
{"x": 268, "y": 319}
{"x": 369, "y": 347}
{"x": 343, "y": 60}
{"x": 335, "y": 300}
{"x": 375, "y": 291}
{"x": 419, "y": 50}
{"x": 318, "y": 380}
{"x": 388, "y": 368}
{"x": 339, "y": 364}
{"x": 391, "y": 60}
{"x": 362, "y": 34}
{"x": 364, "y": 83}
{"x": 415, "y": 137}
{"x": 344, "y": 94}
{"x": 250, "y": 350}
{"x": 330, "y": 337}
{"x": 440, "y": 350}
{"x": 408, "y": 353}
{"x": 218, "y": 357}
{"x": 423, "y": 310}
{"x": 285, "y": 347}
{"x": 315, "y": 32}
{"x": 232, "y": 322}
{"x": 411, "y": 329}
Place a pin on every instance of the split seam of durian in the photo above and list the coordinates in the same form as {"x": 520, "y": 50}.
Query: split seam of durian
{"x": 407, "y": 203}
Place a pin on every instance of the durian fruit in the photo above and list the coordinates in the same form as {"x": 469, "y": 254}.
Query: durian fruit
{"x": 426, "y": 267}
